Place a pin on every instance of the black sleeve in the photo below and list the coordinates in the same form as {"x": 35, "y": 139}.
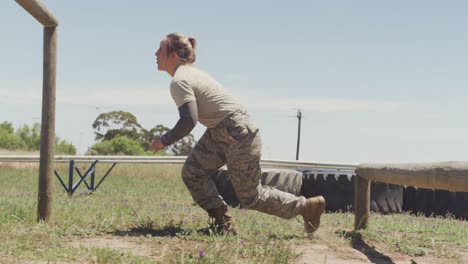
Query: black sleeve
{"x": 188, "y": 118}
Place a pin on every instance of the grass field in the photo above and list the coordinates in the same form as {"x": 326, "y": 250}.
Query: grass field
{"x": 144, "y": 214}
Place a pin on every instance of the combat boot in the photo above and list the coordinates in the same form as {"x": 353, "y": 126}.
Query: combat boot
{"x": 313, "y": 209}
{"x": 223, "y": 222}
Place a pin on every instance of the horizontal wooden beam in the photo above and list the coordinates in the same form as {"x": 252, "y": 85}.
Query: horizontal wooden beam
{"x": 452, "y": 176}
{"x": 39, "y": 11}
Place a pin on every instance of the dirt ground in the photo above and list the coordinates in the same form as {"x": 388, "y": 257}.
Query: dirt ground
{"x": 315, "y": 251}
{"x": 320, "y": 253}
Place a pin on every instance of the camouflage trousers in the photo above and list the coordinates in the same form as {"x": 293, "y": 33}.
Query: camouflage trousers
{"x": 235, "y": 142}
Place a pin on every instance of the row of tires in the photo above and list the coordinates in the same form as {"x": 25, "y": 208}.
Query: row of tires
{"x": 337, "y": 187}
{"x": 338, "y": 190}
{"x": 436, "y": 202}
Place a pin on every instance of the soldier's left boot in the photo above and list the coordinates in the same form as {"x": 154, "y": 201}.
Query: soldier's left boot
{"x": 223, "y": 222}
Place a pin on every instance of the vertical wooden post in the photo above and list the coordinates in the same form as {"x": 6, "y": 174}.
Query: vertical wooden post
{"x": 46, "y": 167}
{"x": 361, "y": 202}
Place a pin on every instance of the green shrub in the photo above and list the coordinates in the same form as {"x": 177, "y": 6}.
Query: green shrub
{"x": 7, "y": 127}
{"x": 64, "y": 147}
{"x": 29, "y": 138}
{"x": 117, "y": 146}
{"x": 10, "y": 141}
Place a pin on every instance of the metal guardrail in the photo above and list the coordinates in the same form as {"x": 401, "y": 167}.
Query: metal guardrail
{"x": 72, "y": 183}
{"x": 173, "y": 160}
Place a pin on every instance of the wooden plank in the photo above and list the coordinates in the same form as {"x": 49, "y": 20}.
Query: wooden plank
{"x": 452, "y": 176}
{"x": 46, "y": 166}
{"x": 39, "y": 11}
{"x": 361, "y": 202}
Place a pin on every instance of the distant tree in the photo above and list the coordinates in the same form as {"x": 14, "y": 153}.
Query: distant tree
{"x": 155, "y": 132}
{"x": 7, "y": 127}
{"x": 10, "y": 141}
{"x": 29, "y": 138}
{"x": 115, "y": 124}
{"x": 184, "y": 146}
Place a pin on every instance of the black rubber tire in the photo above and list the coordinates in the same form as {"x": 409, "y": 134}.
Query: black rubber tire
{"x": 460, "y": 205}
{"x": 435, "y": 202}
{"x": 410, "y": 199}
{"x": 386, "y": 198}
{"x": 338, "y": 191}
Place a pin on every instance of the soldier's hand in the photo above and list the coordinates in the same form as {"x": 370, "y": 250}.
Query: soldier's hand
{"x": 157, "y": 145}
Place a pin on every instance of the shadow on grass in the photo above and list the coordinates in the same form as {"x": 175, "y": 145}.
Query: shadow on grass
{"x": 284, "y": 237}
{"x": 357, "y": 243}
{"x": 169, "y": 230}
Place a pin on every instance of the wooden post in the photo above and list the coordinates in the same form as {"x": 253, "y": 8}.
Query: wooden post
{"x": 361, "y": 202}
{"x": 46, "y": 167}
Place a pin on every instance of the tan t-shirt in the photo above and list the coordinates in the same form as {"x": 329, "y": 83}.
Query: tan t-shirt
{"x": 214, "y": 103}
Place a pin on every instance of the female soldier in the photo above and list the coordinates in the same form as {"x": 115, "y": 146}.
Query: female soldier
{"x": 231, "y": 138}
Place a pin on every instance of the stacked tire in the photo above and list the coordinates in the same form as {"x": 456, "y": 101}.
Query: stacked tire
{"x": 431, "y": 202}
{"x": 337, "y": 187}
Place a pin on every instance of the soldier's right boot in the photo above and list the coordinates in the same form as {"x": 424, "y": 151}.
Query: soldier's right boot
{"x": 312, "y": 211}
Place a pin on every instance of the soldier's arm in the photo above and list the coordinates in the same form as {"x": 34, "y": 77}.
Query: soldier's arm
{"x": 188, "y": 118}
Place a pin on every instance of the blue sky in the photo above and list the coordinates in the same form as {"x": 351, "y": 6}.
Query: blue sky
{"x": 378, "y": 81}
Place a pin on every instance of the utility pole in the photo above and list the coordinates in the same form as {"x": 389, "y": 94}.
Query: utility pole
{"x": 299, "y": 118}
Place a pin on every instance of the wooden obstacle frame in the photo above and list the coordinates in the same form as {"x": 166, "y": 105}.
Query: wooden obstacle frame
{"x": 46, "y": 168}
{"x": 452, "y": 176}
